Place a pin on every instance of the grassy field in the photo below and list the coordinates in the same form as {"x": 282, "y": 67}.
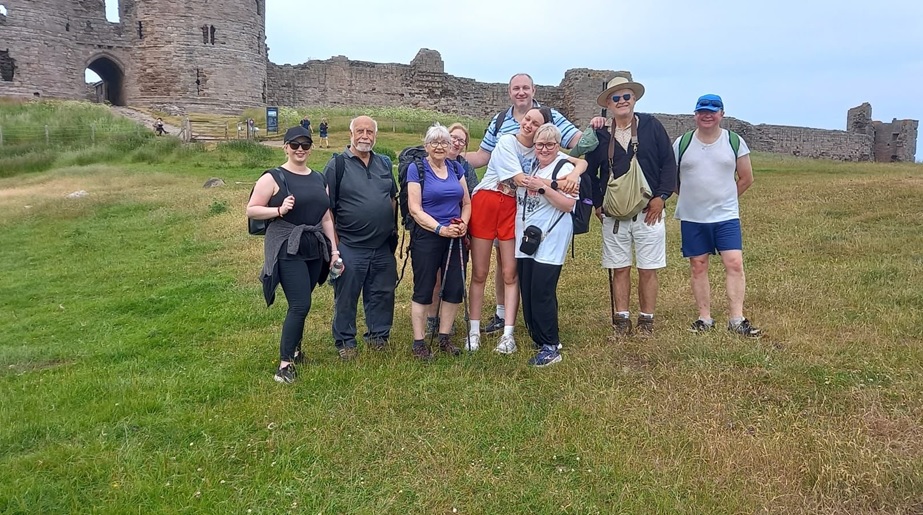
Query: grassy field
{"x": 136, "y": 360}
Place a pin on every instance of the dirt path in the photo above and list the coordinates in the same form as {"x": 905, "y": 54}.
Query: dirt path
{"x": 144, "y": 119}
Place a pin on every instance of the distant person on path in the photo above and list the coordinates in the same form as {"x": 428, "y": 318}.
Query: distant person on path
{"x": 441, "y": 209}
{"x": 459, "y": 134}
{"x": 540, "y": 203}
{"x": 713, "y": 174}
{"x": 363, "y": 206}
{"x": 323, "y": 128}
{"x": 646, "y": 231}
{"x": 158, "y": 127}
{"x": 306, "y": 124}
{"x": 299, "y": 245}
{"x": 521, "y": 91}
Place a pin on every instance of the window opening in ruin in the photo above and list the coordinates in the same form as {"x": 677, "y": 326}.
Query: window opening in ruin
{"x": 259, "y": 9}
{"x": 112, "y": 11}
{"x": 3, "y": 10}
{"x": 67, "y": 27}
{"x": 7, "y": 66}
{"x": 140, "y": 30}
{"x": 212, "y": 34}
{"x": 198, "y": 81}
{"x": 205, "y": 34}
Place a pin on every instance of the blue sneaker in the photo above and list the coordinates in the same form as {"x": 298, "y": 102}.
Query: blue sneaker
{"x": 549, "y": 355}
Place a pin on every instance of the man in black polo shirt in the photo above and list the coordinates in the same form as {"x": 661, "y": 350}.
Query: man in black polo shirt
{"x": 646, "y": 231}
{"x": 363, "y": 205}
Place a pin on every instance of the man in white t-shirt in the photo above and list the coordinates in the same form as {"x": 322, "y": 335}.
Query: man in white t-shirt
{"x": 712, "y": 177}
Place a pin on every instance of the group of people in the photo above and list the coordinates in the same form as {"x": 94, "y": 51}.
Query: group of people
{"x": 323, "y": 130}
{"x": 345, "y": 220}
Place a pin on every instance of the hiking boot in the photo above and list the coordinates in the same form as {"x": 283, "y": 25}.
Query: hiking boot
{"x": 347, "y": 353}
{"x": 432, "y": 326}
{"x": 701, "y": 326}
{"x": 378, "y": 343}
{"x": 645, "y": 327}
{"x": 421, "y": 352}
{"x": 286, "y": 374}
{"x": 473, "y": 342}
{"x": 745, "y": 329}
{"x": 445, "y": 345}
{"x": 622, "y": 326}
{"x": 506, "y": 345}
{"x": 496, "y": 324}
{"x": 548, "y": 355}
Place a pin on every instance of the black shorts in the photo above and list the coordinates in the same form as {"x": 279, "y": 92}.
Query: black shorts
{"x": 428, "y": 254}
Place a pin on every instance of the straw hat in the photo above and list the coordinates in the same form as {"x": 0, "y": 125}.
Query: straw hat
{"x": 616, "y": 84}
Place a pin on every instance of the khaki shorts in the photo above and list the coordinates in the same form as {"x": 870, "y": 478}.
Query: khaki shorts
{"x": 650, "y": 244}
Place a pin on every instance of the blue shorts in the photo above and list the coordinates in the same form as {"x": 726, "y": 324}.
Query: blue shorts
{"x": 700, "y": 239}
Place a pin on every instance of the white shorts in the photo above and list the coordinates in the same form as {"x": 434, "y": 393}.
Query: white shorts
{"x": 650, "y": 243}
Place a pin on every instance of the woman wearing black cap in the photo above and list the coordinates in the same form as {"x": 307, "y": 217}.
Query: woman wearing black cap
{"x": 300, "y": 244}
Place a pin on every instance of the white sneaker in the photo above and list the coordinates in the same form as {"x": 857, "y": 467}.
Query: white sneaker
{"x": 473, "y": 343}
{"x": 506, "y": 345}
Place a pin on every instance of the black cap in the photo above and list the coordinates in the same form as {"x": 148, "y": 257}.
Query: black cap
{"x": 297, "y": 132}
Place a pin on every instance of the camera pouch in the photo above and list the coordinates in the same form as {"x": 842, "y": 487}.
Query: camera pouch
{"x": 531, "y": 237}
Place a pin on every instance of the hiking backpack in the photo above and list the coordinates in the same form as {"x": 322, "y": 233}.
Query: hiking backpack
{"x": 686, "y": 139}
{"x": 415, "y": 155}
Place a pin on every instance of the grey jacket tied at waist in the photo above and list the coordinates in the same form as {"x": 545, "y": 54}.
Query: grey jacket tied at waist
{"x": 277, "y": 233}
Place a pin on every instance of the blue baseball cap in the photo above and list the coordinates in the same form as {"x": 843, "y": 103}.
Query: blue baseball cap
{"x": 709, "y": 102}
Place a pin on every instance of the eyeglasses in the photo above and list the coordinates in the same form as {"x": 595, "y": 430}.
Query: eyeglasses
{"x": 302, "y": 146}
{"x": 543, "y": 146}
{"x": 709, "y": 103}
{"x": 439, "y": 144}
{"x": 459, "y": 141}
{"x": 625, "y": 97}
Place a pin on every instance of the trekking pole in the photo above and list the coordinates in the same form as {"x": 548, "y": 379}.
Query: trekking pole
{"x": 461, "y": 264}
{"x": 612, "y": 296}
{"x": 445, "y": 273}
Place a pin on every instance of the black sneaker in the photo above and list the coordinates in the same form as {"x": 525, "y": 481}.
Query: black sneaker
{"x": 378, "y": 343}
{"x": 701, "y": 326}
{"x": 422, "y": 352}
{"x": 445, "y": 345}
{"x": 745, "y": 329}
{"x": 496, "y": 324}
{"x": 347, "y": 353}
{"x": 286, "y": 375}
{"x": 622, "y": 326}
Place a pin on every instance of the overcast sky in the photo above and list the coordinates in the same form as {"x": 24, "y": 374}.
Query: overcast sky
{"x": 787, "y": 62}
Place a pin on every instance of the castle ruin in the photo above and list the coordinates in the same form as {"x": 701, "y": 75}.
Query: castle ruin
{"x": 190, "y": 56}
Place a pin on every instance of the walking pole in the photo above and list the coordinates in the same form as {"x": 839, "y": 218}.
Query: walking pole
{"x": 611, "y": 296}
{"x": 445, "y": 273}
{"x": 461, "y": 264}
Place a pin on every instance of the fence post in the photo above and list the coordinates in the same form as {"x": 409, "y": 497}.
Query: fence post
{"x": 1, "y": 136}
{"x": 225, "y": 131}
{"x": 93, "y": 133}
{"x": 47, "y": 140}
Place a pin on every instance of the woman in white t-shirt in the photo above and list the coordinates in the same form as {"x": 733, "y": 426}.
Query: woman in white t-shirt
{"x": 493, "y": 210}
{"x": 540, "y": 204}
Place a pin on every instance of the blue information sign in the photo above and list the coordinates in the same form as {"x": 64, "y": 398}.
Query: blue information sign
{"x": 272, "y": 119}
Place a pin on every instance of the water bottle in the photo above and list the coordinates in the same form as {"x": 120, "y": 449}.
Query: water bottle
{"x": 336, "y": 270}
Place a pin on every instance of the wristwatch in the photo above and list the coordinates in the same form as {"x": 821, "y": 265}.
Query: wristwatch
{"x": 541, "y": 191}
{"x": 554, "y": 185}
{"x": 665, "y": 196}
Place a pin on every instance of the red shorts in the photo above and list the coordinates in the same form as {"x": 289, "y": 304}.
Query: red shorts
{"x": 493, "y": 216}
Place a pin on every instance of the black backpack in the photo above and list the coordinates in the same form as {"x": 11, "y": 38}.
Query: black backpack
{"x": 407, "y": 156}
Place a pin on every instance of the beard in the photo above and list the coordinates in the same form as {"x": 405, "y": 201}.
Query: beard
{"x": 363, "y": 147}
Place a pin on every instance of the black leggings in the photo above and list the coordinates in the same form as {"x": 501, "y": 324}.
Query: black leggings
{"x": 298, "y": 280}
{"x": 538, "y": 286}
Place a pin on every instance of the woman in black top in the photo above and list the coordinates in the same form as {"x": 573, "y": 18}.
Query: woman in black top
{"x": 295, "y": 198}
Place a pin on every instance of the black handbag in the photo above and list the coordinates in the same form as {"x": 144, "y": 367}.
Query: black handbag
{"x": 258, "y": 227}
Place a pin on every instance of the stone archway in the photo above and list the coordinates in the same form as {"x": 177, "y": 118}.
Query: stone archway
{"x": 112, "y": 86}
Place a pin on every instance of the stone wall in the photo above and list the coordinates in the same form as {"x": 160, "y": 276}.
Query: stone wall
{"x": 184, "y": 52}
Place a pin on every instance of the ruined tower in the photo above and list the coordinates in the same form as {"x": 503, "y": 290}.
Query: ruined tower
{"x": 188, "y": 53}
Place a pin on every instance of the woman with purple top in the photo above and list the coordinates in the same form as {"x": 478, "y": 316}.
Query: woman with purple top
{"x": 440, "y": 207}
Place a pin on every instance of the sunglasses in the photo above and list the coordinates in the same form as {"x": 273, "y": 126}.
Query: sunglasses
{"x": 709, "y": 103}
{"x": 297, "y": 146}
{"x": 625, "y": 97}
{"x": 543, "y": 146}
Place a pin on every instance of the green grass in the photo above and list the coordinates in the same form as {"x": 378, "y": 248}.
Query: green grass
{"x": 136, "y": 358}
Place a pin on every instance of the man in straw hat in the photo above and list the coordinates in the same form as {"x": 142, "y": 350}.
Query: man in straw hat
{"x": 646, "y": 231}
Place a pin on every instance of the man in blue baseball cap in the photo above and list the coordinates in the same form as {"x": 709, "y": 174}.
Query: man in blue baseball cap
{"x": 714, "y": 170}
